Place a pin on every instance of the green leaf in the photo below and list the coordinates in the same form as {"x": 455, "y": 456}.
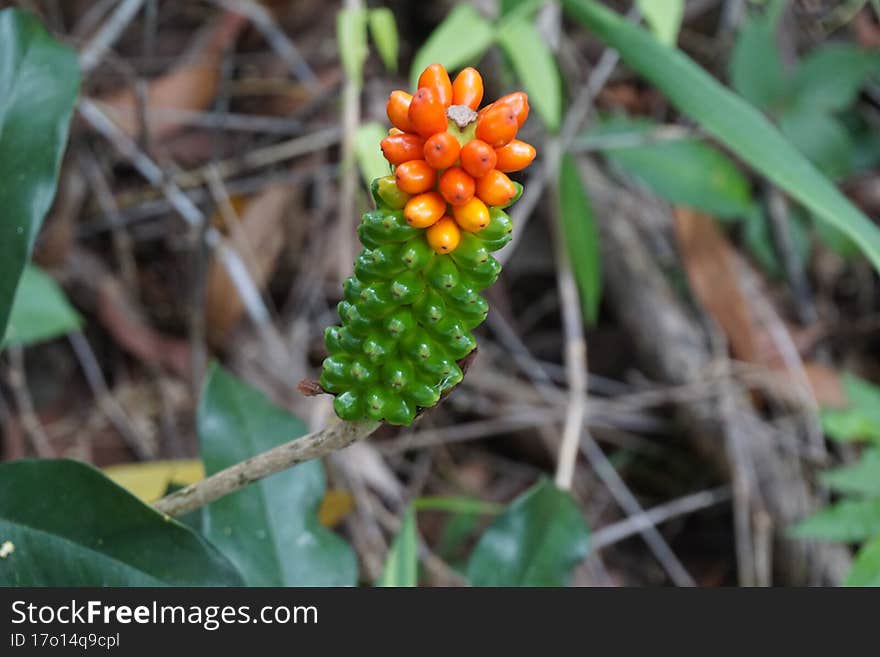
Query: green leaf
{"x": 848, "y": 521}
{"x": 457, "y": 505}
{"x": 866, "y": 569}
{"x": 860, "y": 420}
{"x": 731, "y": 120}
{"x": 40, "y": 310}
{"x": 581, "y": 236}
{"x": 402, "y": 564}
{"x": 684, "y": 171}
{"x": 461, "y": 38}
{"x": 820, "y": 137}
{"x": 351, "y": 39}
{"x": 369, "y": 154}
{"x": 755, "y": 65}
{"x": 828, "y": 80}
{"x": 269, "y": 529}
{"x": 39, "y": 80}
{"x": 861, "y": 478}
{"x": 535, "y": 66}
{"x": 69, "y": 525}
{"x": 538, "y": 541}
{"x": 664, "y": 17}
{"x": 383, "y": 28}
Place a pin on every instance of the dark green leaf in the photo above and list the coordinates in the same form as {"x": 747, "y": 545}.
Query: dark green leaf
{"x": 866, "y": 569}
{"x": 40, "y": 310}
{"x": 538, "y": 541}
{"x": 462, "y": 37}
{"x": 371, "y": 161}
{"x": 820, "y": 137}
{"x": 731, "y": 120}
{"x": 39, "y": 80}
{"x": 684, "y": 171}
{"x": 69, "y": 525}
{"x": 402, "y": 563}
{"x": 351, "y": 39}
{"x": 269, "y": 529}
{"x": 384, "y": 30}
{"x": 861, "y": 478}
{"x": 848, "y": 521}
{"x": 755, "y": 65}
{"x": 535, "y": 67}
{"x": 581, "y": 236}
{"x": 829, "y": 79}
{"x": 664, "y": 17}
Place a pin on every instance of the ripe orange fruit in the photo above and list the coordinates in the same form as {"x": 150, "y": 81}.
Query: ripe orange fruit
{"x": 398, "y": 110}
{"x": 495, "y": 188}
{"x": 497, "y": 126}
{"x": 424, "y": 210}
{"x": 477, "y": 158}
{"x": 436, "y": 78}
{"x": 467, "y": 89}
{"x": 441, "y": 150}
{"x": 427, "y": 114}
{"x": 472, "y": 216}
{"x": 402, "y": 147}
{"x": 444, "y": 236}
{"x": 514, "y": 156}
{"x": 518, "y": 102}
{"x": 415, "y": 176}
{"x": 456, "y": 185}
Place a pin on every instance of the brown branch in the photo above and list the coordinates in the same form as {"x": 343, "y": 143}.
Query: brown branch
{"x": 338, "y": 435}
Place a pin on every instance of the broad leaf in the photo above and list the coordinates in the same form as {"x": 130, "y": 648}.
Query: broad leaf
{"x": 664, "y": 17}
{"x": 40, "y": 311}
{"x": 829, "y": 79}
{"x": 402, "y": 563}
{"x": 538, "y": 541}
{"x": 535, "y": 67}
{"x": 581, "y": 236}
{"x": 731, "y": 120}
{"x": 462, "y": 37}
{"x": 755, "y": 65}
{"x": 821, "y": 137}
{"x": 351, "y": 39}
{"x": 383, "y": 29}
{"x": 39, "y": 79}
{"x": 69, "y": 525}
{"x": 866, "y": 569}
{"x": 861, "y": 478}
{"x": 371, "y": 161}
{"x": 849, "y": 521}
{"x": 269, "y": 529}
{"x": 684, "y": 171}
{"x": 860, "y": 420}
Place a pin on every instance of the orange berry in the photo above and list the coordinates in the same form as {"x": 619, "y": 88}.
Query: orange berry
{"x": 518, "y": 102}
{"x": 424, "y": 210}
{"x": 514, "y": 156}
{"x": 467, "y": 89}
{"x": 444, "y": 236}
{"x": 427, "y": 114}
{"x": 495, "y": 188}
{"x": 472, "y": 216}
{"x": 398, "y": 110}
{"x": 497, "y": 126}
{"x": 402, "y": 147}
{"x": 456, "y": 185}
{"x": 415, "y": 176}
{"x": 441, "y": 150}
{"x": 477, "y": 158}
{"x": 436, "y": 78}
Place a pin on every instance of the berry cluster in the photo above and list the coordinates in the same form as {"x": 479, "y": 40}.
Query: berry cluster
{"x": 451, "y": 159}
{"x": 409, "y": 309}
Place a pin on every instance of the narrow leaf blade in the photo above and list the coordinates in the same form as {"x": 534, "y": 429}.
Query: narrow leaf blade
{"x": 383, "y": 29}
{"x": 664, "y": 17}
{"x": 462, "y": 37}
{"x": 369, "y": 155}
{"x": 351, "y": 39}
{"x": 402, "y": 564}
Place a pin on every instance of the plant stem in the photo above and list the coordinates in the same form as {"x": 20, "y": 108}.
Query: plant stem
{"x": 338, "y": 435}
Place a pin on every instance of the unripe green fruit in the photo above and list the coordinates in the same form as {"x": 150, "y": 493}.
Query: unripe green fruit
{"x": 406, "y": 314}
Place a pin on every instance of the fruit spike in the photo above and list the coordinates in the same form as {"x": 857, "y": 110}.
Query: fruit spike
{"x": 408, "y": 311}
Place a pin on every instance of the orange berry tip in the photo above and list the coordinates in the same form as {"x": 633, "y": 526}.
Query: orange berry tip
{"x": 478, "y": 158}
{"x": 415, "y": 176}
{"x": 402, "y": 147}
{"x": 518, "y": 102}
{"x": 444, "y": 236}
{"x": 496, "y": 189}
{"x": 472, "y": 216}
{"x": 441, "y": 150}
{"x": 456, "y": 185}
{"x": 514, "y": 156}
{"x": 467, "y": 88}
{"x": 424, "y": 209}
{"x": 436, "y": 78}
{"x": 427, "y": 114}
{"x": 398, "y": 110}
{"x": 498, "y": 126}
